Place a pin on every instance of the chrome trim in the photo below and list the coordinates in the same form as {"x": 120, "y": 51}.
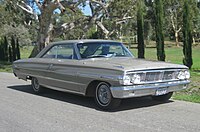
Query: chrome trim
{"x": 156, "y": 70}
{"x": 98, "y": 76}
{"x": 58, "y": 80}
{"x": 49, "y": 78}
{"x": 62, "y": 89}
{"x": 144, "y": 90}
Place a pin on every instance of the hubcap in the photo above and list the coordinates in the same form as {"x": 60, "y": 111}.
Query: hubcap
{"x": 103, "y": 94}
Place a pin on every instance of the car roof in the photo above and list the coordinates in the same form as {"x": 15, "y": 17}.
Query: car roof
{"x": 82, "y": 41}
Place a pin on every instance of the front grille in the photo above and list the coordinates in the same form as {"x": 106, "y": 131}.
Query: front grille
{"x": 156, "y": 75}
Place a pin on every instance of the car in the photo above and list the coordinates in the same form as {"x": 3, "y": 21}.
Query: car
{"x": 103, "y": 69}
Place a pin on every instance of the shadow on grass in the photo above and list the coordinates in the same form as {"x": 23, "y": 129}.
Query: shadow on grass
{"x": 196, "y": 70}
{"x": 127, "y": 104}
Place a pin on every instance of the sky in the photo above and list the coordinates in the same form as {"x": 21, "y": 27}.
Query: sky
{"x": 86, "y": 10}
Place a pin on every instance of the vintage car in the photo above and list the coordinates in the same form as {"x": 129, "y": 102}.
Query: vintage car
{"x": 103, "y": 69}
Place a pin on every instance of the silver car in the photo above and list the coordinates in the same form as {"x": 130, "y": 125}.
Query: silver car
{"x": 103, "y": 69}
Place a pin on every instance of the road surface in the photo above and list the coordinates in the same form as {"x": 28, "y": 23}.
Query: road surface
{"x": 23, "y": 111}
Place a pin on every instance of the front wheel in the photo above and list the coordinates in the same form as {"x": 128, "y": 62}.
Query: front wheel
{"x": 37, "y": 88}
{"x": 103, "y": 97}
{"x": 163, "y": 98}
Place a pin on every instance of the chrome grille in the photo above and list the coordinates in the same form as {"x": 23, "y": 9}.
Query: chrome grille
{"x": 156, "y": 75}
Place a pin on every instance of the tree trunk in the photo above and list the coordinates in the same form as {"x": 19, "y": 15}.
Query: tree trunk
{"x": 18, "y": 50}
{"x": 176, "y": 37}
{"x": 140, "y": 30}
{"x": 193, "y": 40}
{"x": 13, "y": 44}
{"x": 6, "y": 48}
{"x": 10, "y": 54}
{"x": 45, "y": 30}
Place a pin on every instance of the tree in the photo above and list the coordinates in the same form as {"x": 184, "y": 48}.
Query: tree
{"x": 187, "y": 35}
{"x": 4, "y": 49}
{"x": 17, "y": 50}
{"x": 10, "y": 54}
{"x": 149, "y": 21}
{"x": 44, "y": 13}
{"x": 5, "y": 43}
{"x": 140, "y": 28}
{"x": 51, "y": 25}
{"x": 121, "y": 20}
{"x": 1, "y": 51}
{"x": 13, "y": 44}
{"x": 174, "y": 13}
{"x": 159, "y": 30}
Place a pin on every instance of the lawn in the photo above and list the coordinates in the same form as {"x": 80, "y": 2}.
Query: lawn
{"x": 173, "y": 54}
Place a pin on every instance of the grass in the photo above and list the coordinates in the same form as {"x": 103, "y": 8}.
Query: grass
{"x": 5, "y": 67}
{"x": 193, "y": 97}
{"x": 173, "y": 54}
{"x": 26, "y": 51}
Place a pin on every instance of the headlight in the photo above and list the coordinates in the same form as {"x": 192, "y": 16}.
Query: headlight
{"x": 183, "y": 75}
{"x": 130, "y": 79}
{"x": 187, "y": 74}
{"x": 125, "y": 80}
{"x": 136, "y": 79}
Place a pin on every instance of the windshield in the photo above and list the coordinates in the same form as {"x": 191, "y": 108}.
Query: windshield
{"x": 102, "y": 49}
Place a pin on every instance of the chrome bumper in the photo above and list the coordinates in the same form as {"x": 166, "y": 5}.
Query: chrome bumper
{"x": 147, "y": 89}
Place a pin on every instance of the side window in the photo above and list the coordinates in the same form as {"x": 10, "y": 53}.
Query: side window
{"x": 65, "y": 52}
{"x": 117, "y": 49}
{"x": 61, "y": 52}
{"x": 51, "y": 53}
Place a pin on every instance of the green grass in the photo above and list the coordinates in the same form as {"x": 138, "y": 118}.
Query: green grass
{"x": 173, "y": 54}
{"x": 193, "y": 97}
{"x": 26, "y": 51}
{"x": 5, "y": 67}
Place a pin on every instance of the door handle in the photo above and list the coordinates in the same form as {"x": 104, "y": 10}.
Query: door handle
{"x": 50, "y": 66}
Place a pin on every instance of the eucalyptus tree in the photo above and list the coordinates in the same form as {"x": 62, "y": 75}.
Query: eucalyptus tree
{"x": 173, "y": 14}
{"x": 122, "y": 18}
{"x": 49, "y": 26}
{"x": 195, "y": 18}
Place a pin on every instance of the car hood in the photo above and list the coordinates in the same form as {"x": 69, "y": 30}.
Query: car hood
{"x": 129, "y": 64}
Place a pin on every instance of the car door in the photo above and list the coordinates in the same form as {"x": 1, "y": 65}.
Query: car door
{"x": 62, "y": 69}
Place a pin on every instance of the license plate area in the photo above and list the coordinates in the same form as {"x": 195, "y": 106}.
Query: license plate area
{"x": 161, "y": 91}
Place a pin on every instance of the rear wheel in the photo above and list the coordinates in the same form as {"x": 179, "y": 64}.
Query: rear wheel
{"x": 163, "y": 98}
{"x": 37, "y": 88}
{"x": 103, "y": 97}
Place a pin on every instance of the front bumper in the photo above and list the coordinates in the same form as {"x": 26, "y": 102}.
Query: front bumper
{"x": 147, "y": 89}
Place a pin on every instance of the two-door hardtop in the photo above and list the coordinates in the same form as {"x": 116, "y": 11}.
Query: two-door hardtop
{"x": 103, "y": 69}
